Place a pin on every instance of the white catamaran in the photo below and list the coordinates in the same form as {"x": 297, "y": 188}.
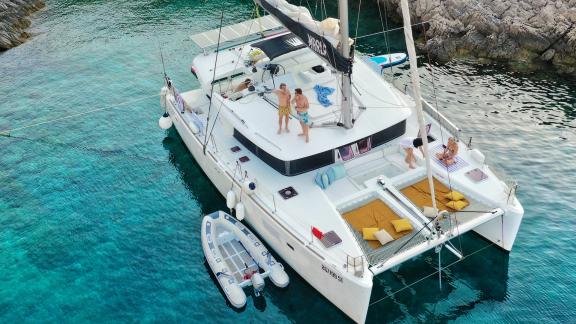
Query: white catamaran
{"x": 344, "y": 207}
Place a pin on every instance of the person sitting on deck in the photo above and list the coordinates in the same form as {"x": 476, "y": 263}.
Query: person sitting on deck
{"x": 448, "y": 155}
{"x": 302, "y": 106}
{"x": 283, "y": 106}
{"x": 243, "y": 85}
{"x": 409, "y": 144}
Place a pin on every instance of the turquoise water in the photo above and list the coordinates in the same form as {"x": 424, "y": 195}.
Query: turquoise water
{"x": 100, "y": 214}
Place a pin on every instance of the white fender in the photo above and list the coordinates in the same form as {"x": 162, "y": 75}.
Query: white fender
{"x": 165, "y": 121}
{"x": 240, "y": 212}
{"x": 230, "y": 199}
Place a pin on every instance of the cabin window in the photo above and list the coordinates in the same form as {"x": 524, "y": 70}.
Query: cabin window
{"x": 316, "y": 161}
{"x": 388, "y": 134}
{"x": 310, "y": 163}
{"x": 288, "y": 168}
{"x": 346, "y": 152}
{"x": 364, "y": 145}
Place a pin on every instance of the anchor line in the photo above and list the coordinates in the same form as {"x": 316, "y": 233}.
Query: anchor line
{"x": 429, "y": 275}
{"x": 393, "y": 29}
{"x": 7, "y": 132}
{"x": 71, "y": 146}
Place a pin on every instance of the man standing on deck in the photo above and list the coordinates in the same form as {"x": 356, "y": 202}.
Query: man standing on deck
{"x": 283, "y": 106}
{"x": 302, "y": 109}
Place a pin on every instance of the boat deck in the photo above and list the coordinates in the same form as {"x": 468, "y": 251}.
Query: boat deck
{"x": 257, "y": 119}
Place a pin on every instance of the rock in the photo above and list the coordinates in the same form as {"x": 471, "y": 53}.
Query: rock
{"x": 14, "y": 21}
{"x": 548, "y": 55}
{"x": 524, "y": 31}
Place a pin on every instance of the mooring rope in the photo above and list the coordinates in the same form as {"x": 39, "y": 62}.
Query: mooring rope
{"x": 390, "y": 30}
{"x": 7, "y": 132}
{"x": 430, "y": 275}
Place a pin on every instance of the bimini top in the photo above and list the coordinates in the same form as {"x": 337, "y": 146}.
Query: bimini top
{"x": 277, "y": 46}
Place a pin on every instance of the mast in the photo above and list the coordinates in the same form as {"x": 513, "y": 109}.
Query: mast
{"x": 346, "y": 107}
{"x": 417, "y": 94}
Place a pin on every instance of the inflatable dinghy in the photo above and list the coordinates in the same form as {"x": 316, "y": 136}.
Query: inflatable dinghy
{"x": 238, "y": 258}
{"x": 388, "y": 60}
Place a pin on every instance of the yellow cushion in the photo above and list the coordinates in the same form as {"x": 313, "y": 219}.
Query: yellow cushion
{"x": 457, "y": 205}
{"x": 401, "y": 225}
{"x": 454, "y": 195}
{"x": 368, "y": 233}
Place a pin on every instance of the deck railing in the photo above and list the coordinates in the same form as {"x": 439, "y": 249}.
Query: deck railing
{"x": 434, "y": 113}
{"x": 441, "y": 119}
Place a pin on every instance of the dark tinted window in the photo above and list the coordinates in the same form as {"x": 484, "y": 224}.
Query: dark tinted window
{"x": 275, "y": 163}
{"x": 310, "y": 163}
{"x": 289, "y": 168}
{"x": 389, "y": 134}
{"x": 246, "y": 142}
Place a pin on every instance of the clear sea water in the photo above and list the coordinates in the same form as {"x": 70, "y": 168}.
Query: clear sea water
{"x": 100, "y": 214}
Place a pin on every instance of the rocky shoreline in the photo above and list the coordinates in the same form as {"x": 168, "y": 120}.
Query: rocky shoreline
{"x": 522, "y": 32}
{"x": 14, "y": 21}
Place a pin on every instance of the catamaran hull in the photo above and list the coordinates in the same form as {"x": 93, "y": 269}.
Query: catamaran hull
{"x": 347, "y": 292}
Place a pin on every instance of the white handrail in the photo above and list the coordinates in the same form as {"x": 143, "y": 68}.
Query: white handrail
{"x": 441, "y": 119}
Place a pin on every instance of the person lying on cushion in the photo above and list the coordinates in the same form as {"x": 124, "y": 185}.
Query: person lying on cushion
{"x": 409, "y": 144}
{"x": 243, "y": 85}
{"x": 448, "y": 156}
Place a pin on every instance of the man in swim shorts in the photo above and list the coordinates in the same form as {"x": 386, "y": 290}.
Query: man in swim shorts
{"x": 283, "y": 106}
{"x": 302, "y": 106}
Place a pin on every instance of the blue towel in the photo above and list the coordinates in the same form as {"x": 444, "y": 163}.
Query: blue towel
{"x": 322, "y": 94}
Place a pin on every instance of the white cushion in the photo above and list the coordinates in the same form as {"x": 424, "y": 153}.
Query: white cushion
{"x": 383, "y": 237}
{"x": 430, "y": 212}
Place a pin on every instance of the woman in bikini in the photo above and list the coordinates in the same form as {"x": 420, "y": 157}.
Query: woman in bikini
{"x": 448, "y": 156}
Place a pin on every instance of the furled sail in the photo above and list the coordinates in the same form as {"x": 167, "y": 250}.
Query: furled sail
{"x": 322, "y": 37}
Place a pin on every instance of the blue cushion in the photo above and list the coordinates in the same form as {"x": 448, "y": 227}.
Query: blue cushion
{"x": 339, "y": 171}
{"x": 325, "y": 181}
{"x": 331, "y": 175}
{"x": 318, "y": 180}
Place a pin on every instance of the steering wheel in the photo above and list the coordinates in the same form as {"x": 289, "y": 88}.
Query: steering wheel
{"x": 272, "y": 70}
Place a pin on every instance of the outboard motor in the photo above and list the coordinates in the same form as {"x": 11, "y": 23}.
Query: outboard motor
{"x": 257, "y": 283}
